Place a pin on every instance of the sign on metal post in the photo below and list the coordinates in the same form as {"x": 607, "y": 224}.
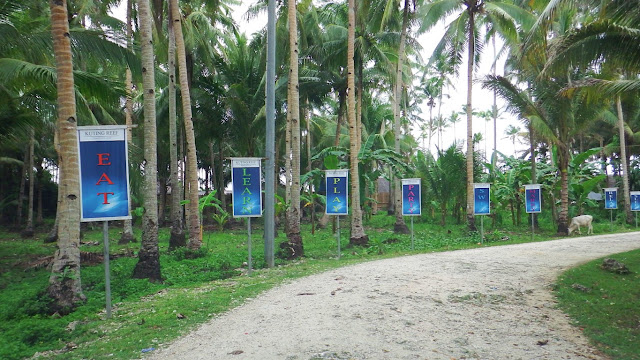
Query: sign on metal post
{"x": 611, "y": 203}
{"x": 247, "y": 194}
{"x": 533, "y": 198}
{"x": 104, "y": 183}
{"x": 611, "y": 198}
{"x": 104, "y": 173}
{"x": 481, "y": 204}
{"x": 247, "y": 187}
{"x": 533, "y": 203}
{"x": 411, "y": 199}
{"x": 337, "y": 185}
{"x": 337, "y": 192}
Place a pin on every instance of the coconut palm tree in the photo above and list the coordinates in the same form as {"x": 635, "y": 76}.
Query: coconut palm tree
{"x": 64, "y": 284}
{"x": 512, "y": 133}
{"x": 293, "y": 246}
{"x": 148, "y": 266}
{"x": 602, "y": 45}
{"x": 358, "y": 236}
{"x": 399, "y": 226}
{"x": 557, "y": 119}
{"x": 127, "y": 229}
{"x": 177, "y": 237}
{"x": 193, "y": 215}
{"x": 464, "y": 30}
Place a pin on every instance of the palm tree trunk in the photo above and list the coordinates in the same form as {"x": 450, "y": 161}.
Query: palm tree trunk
{"x": 470, "y": 218}
{"x": 23, "y": 185}
{"x": 177, "y": 238}
{"x": 400, "y": 226}
{"x": 624, "y": 163}
{"x": 293, "y": 247}
{"x": 65, "y": 287}
{"x": 358, "y": 236}
{"x": 28, "y": 231}
{"x": 494, "y": 109}
{"x": 430, "y": 126}
{"x": 308, "y": 143}
{"x": 127, "y": 231}
{"x": 563, "y": 167}
{"x": 52, "y": 236}
{"x": 148, "y": 266}
{"x": 341, "y": 112}
{"x": 193, "y": 215}
{"x": 39, "y": 215}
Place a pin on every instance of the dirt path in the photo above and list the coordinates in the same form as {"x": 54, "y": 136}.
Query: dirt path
{"x": 486, "y": 303}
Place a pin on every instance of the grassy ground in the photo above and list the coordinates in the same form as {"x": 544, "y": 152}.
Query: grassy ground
{"x": 605, "y": 305}
{"x": 146, "y": 315}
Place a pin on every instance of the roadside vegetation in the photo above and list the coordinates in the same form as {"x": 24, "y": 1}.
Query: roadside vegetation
{"x": 604, "y": 304}
{"x": 200, "y": 284}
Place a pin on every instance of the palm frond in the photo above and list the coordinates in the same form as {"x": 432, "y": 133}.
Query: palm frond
{"x": 432, "y": 13}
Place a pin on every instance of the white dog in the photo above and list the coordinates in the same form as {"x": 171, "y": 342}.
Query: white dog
{"x": 582, "y": 220}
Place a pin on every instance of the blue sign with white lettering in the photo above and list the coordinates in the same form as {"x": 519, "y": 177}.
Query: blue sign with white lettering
{"x": 481, "y": 199}
{"x": 635, "y": 201}
{"x": 611, "y": 198}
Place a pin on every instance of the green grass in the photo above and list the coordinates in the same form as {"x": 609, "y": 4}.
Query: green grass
{"x": 145, "y": 315}
{"x": 609, "y": 314}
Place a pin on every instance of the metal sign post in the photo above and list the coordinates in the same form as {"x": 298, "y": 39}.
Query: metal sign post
{"x": 104, "y": 183}
{"x": 411, "y": 201}
{"x": 336, "y": 182}
{"x": 338, "y": 232}
{"x": 533, "y": 202}
{"x": 481, "y": 204}
{"x": 249, "y": 245}
{"x": 611, "y": 203}
{"x": 107, "y": 272}
{"x": 247, "y": 194}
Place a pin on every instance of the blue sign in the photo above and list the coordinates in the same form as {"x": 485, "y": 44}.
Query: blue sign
{"x": 481, "y": 199}
{"x": 104, "y": 173}
{"x": 247, "y": 187}
{"x": 532, "y": 195}
{"x": 337, "y": 182}
{"x": 611, "y": 198}
{"x": 411, "y": 197}
{"x": 635, "y": 200}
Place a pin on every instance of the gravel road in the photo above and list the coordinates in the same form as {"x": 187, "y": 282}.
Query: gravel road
{"x": 485, "y": 303}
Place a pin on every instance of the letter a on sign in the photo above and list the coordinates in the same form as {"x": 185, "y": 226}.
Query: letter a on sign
{"x": 337, "y": 182}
